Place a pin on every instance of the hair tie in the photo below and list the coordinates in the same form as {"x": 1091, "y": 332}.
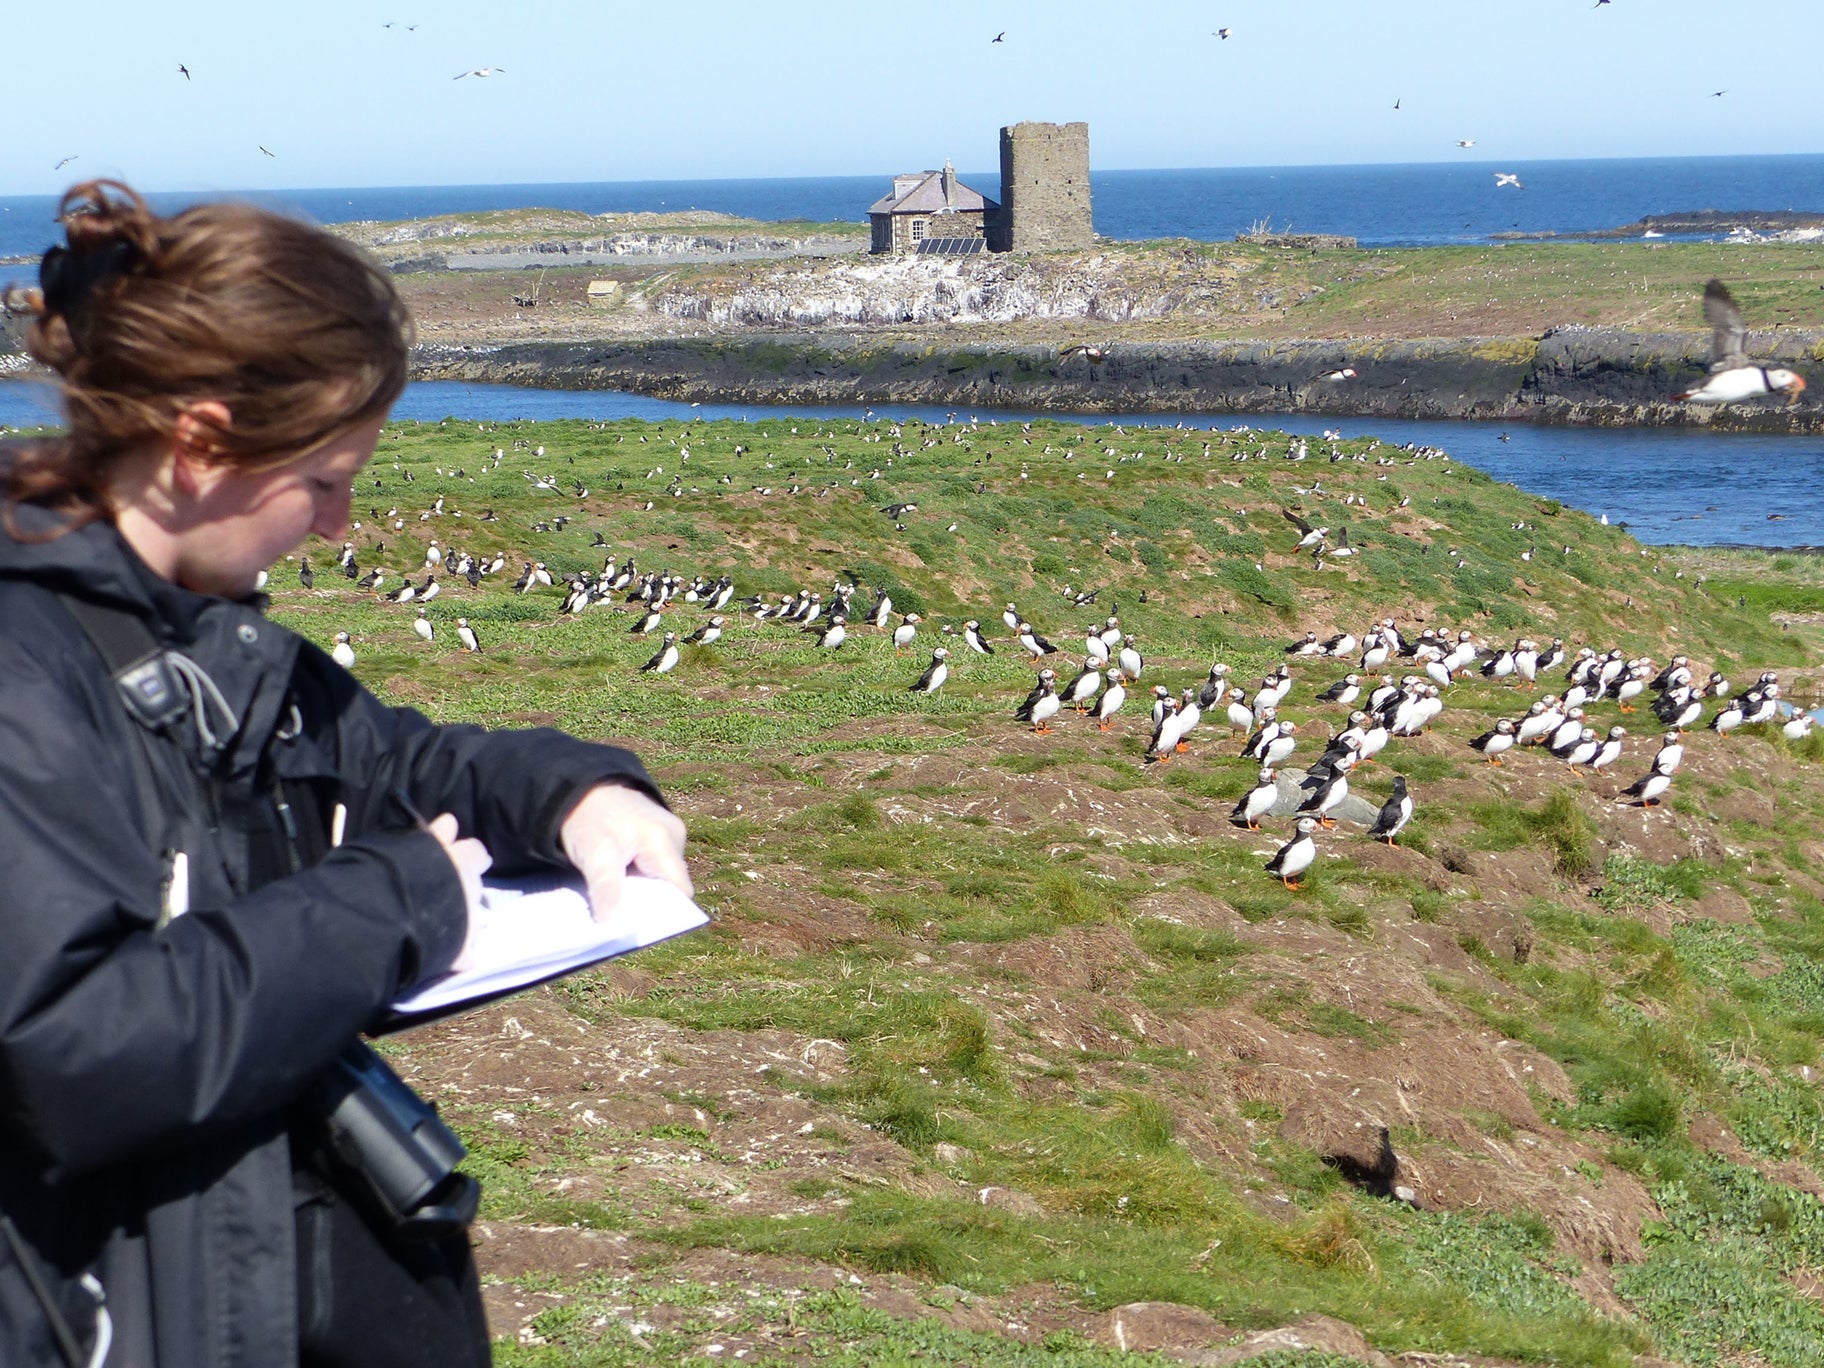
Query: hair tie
{"x": 68, "y": 277}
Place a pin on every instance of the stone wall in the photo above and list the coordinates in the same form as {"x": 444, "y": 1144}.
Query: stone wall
{"x": 1044, "y": 188}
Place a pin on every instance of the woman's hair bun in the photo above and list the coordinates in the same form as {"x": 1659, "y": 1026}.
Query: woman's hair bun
{"x": 111, "y": 232}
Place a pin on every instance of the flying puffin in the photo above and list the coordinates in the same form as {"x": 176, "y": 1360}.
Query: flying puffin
{"x": 1296, "y": 855}
{"x": 1733, "y": 377}
{"x": 1394, "y": 814}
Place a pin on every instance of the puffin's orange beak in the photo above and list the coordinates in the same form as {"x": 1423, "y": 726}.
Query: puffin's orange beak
{"x": 1798, "y": 388}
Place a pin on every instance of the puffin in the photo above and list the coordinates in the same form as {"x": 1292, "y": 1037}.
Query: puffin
{"x": 1165, "y": 737}
{"x": 934, "y": 676}
{"x": 1733, "y": 376}
{"x": 666, "y": 657}
{"x": 1257, "y": 802}
{"x": 972, "y": 638}
{"x": 1112, "y": 698}
{"x": 1671, "y": 753}
{"x": 1190, "y": 713}
{"x": 1041, "y": 704}
{"x": 1394, "y": 814}
{"x": 1309, "y": 536}
{"x": 342, "y": 653}
{"x": 1080, "y": 690}
{"x": 1728, "y": 717}
{"x": 907, "y": 629}
{"x": 422, "y": 626}
{"x": 1649, "y": 788}
{"x": 835, "y": 632}
{"x": 466, "y": 635}
{"x": 1129, "y": 659}
{"x": 1345, "y": 691}
{"x": 1241, "y": 716}
{"x": 1798, "y": 726}
{"x": 1494, "y": 744}
{"x": 1277, "y": 750}
{"x": 1610, "y": 750}
{"x": 1296, "y": 855}
{"x": 645, "y": 623}
{"x": 1033, "y": 642}
{"x": 1329, "y": 786}
{"x": 708, "y": 634}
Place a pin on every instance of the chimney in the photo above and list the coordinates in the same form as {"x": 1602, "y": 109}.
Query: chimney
{"x": 949, "y": 186}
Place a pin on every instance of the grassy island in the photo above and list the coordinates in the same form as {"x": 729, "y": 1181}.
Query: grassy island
{"x": 997, "y": 1035}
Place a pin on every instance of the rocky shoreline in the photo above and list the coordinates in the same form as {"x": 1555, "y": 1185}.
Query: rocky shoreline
{"x": 1580, "y": 376}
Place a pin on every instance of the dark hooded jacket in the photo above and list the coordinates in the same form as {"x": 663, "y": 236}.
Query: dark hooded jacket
{"x": 149, "y": 1066}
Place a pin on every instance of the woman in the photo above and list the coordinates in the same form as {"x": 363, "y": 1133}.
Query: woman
{"x": 215, "y": 884}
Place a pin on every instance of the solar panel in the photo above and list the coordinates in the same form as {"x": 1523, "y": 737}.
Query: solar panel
{"x": 951, "y": 246}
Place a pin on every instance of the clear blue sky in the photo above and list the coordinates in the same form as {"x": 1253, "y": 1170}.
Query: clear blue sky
{"x": 599, "y": 91}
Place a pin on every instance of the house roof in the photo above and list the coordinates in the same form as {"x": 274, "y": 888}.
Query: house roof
{"x": 927, "y": 197}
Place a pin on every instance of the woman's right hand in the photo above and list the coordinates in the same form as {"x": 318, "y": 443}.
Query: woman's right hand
{"x": 471, "y": 859}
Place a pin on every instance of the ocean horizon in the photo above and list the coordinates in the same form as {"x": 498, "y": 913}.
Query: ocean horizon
{"x": 1381, "y": 205}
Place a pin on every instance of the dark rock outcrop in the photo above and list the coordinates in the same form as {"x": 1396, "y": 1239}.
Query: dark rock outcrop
{"x": 1584, "y": 376}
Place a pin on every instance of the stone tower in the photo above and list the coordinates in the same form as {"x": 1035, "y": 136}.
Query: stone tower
{"x": 1044, "y": 188}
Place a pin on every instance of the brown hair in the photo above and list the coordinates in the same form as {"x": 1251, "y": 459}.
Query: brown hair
{"x": 295, "y": 331}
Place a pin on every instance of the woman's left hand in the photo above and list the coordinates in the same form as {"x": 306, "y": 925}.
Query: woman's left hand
{"x": 615, "y": 829}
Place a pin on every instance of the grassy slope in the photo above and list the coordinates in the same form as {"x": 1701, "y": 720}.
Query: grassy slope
{"x": 895, "y": 874}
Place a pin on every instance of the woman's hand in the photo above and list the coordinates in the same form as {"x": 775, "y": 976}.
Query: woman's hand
{"x": 471, "y": 859}
{"x": 614, "y": 829}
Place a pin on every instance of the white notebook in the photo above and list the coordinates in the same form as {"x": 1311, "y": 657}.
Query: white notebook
{"x": 533, "y": 929}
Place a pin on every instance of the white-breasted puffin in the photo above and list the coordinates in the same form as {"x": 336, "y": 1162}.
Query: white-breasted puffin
{"x": 708, "y": 634}
{"x": 666, "y": 658}
{"x": 972, "y": 638}
{"x": 1734, "y": 378}
{"x": 1496, "y": 743}
{"x": 1296, "y": 855}
{"x": 835, "y": 632}
{"x": 466, "y": 635}
{"x": 1112, "y": 698}
{"x": 935, "y": 674}
{"x": 1041, "y": 704}
{"x": 342, "y": 653}
{"x": 1257, "y": 802}
{"x": 422, "y": 626}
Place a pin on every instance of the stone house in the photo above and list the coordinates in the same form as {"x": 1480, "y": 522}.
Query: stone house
{"x": 930, "y": 206}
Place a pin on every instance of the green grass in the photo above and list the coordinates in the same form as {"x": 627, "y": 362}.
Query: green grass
{"x": 1054, "y": 957}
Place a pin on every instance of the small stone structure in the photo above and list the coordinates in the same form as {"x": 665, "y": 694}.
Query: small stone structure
{"x": 1044, "y": 199}
{"x": 928, "y": 205}
{"x": 602, "y": 291}
{"x": 1044, "y": 188}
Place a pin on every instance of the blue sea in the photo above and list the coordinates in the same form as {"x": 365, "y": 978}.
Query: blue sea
{"x": 1406, "y": 205}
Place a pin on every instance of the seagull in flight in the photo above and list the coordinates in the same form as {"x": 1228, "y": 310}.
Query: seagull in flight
{"x": 1718, "y": 94}
{"x": 65, "y": 162}
{"x": 1466, "y": 142}
{"x": 480, "y": 71}
{"x": 184, "y": 69}
{"x": 1224, "y": 33}
{"x": 1396, "y": 104}
{"x": 1508, "y": 178}
{"x": 999, "y": 36}
{"x": 262, "y": 147}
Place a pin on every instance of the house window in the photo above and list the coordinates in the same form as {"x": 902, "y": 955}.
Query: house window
{"x": 918, "y": 230}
